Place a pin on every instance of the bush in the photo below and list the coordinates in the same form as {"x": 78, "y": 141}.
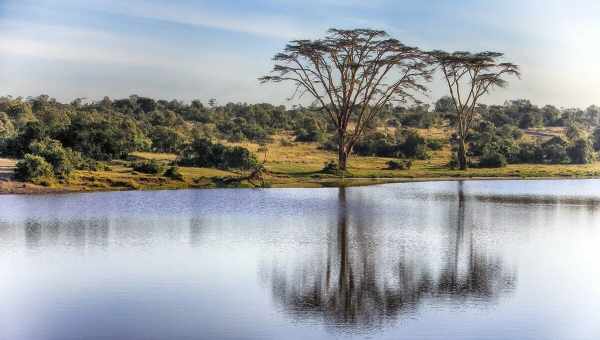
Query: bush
{"x": 492, "y": 159}
{"x": 421, "y": 152}
{"x": 303, "y": 135}
{"x": 173, "y": 173}
{"x": 406, "y": 143}
{"x": 147, "y": 167}
{"x": 330, "y": 167}
{"x": 435, "y": 144}
{"x": 399, "y": 165}
{"x": 555, "y": 151}
{"x": 34, "y": 168}
{"x": 166, "y": 139}
{"x": 238, "y": 157}
{"x": 203, "y": 153}
{"x": 596, "y": 138}
{"x": 530, "y": 153}
{"x": 413, "y": 145}
{"x": 377, "y": 144}
{"x": 308, "y": 131}
{"x": 62, "y": 160}
{"x": 331, "y": 144}
{"x": 92, "y": 165}
{"x": 581, "y": 152}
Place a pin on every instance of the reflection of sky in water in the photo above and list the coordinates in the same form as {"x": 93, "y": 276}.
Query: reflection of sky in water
{"x": 412, "y": 260}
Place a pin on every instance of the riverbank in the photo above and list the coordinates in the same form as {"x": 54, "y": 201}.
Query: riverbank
{"x": 298, "y": 166}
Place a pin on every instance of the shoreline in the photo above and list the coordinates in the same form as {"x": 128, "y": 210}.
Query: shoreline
{"x": 11, "y": 187}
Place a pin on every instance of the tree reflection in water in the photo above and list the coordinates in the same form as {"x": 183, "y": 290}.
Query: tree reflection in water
{"x": 357, "y": 286}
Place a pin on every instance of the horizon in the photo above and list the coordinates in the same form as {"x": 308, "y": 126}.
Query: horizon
{"x": 187, "y": 50}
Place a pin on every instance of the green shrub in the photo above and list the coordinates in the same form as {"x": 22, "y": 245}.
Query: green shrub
{"x": 61, "y": 159}
{"x": 413, "y": 145}
{"x": 555, "y": 151}
{"x": 581, "y": 152}
{"x": 147, "y": 167}
{"x": 34, "y": 168}
{"x": 421, "y": 152}
{"x": 435, "y": 144}
{"x": 596, "y": 138}
{"x": 399, "y": 165}
{"x": 330, "y": 167}
{"x": 308, "y": 131}
{"x": 204, "y": 153}
{"x": 173, "y": 173}
{"x": 92, "y": 165}
{"x": 530, "y": 153}
{"x": 331, "y": 144}
{"x": 406, "y": 143}
{"x": 492, "y": 159}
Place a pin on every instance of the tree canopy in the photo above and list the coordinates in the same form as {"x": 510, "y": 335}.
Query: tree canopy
{"x": 352, "y": 75}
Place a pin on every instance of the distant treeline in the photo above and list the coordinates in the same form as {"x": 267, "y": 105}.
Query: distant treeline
{"x": 108, "y": 129}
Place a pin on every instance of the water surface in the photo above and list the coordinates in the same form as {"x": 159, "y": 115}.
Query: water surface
{"x": 445, "y": 260}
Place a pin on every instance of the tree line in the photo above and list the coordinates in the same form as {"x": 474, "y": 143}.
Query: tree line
{"x": 54, "y": 138}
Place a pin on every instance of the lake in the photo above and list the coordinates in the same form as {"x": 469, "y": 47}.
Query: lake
{"x": 443, "y": 260}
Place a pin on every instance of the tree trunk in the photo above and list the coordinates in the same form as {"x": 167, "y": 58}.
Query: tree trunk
{"x": 342, "y": 159}
{"x": 462, "y": 154}
{"x": 342, "y": 153}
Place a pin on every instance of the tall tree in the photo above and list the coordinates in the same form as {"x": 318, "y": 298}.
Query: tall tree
{"x": 352, "y": 75}
{"x": 469, "y": 77}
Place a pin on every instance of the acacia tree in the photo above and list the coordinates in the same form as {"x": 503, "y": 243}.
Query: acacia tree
{"x": 469, "y": 77}
{"x": 352, "y": 75}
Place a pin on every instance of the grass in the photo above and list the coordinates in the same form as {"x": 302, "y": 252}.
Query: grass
{"x": 292, "y": 164}
{"x": 304, "y": 160}
{"x": 153, "y": 156}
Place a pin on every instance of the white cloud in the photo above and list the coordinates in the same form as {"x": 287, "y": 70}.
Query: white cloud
{"x": 202, "y": 14}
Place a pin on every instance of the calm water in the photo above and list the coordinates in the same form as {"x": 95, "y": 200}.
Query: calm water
{"x": 449, "y": 260}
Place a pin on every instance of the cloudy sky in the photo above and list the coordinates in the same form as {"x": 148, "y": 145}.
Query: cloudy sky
{"x": 188, "y": 49}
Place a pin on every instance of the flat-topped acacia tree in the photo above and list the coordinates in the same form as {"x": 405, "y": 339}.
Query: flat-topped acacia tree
{"x": 352, "y": 75}
{"x": 469, "y": 77}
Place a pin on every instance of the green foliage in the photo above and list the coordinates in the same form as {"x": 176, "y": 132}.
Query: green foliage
{"x": 62, "y": 160}
{"x": 104, "y": 138}
{"x": 81, "y": 135}
{"x": 33, "y": 169}
{"x": 308, "y": 131}
{"x": 435, "y": 144}
{"x": 330, "y": 167}
{"x": 204, "y": 153}
{"x": 574, "y": 132}
{"x": 174, "y": 173}
{"x": 581, "y": 152}
{"x": 7, "y": 127}
{"x": 166, "y": 139}
{"x": 492, "y": 159}
{"x": 596, "y": 138}
{"x": 406, "y": 143}
{"x": 92, "y": 165}
{"x": 530, "y": 153}
{"x": 148, "y": 167}
{"x": 399, "y": 165}
{"x": 555, "y": 151}
{"x": 412, "y": 145}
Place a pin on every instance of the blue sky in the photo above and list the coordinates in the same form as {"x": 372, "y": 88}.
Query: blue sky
{"x": 216, "y": 49}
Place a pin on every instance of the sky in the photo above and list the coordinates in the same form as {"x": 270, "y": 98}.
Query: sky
{"x": 184, "y": 49}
